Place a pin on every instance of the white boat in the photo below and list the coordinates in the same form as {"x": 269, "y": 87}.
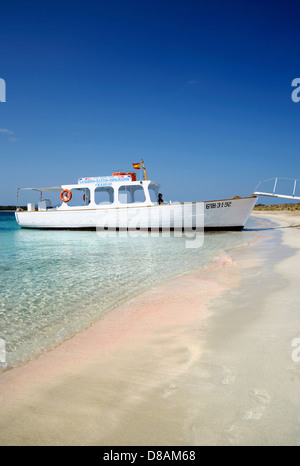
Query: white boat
{"x": 122, "y": 202}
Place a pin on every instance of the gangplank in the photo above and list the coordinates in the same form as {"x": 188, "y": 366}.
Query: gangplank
{"x": 292, "y": 195}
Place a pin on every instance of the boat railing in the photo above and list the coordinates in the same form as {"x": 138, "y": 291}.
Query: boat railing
{"x": 273, "y": 192}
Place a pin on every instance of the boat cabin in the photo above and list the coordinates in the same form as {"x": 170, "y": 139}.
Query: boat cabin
{"x": 118, "y": 190}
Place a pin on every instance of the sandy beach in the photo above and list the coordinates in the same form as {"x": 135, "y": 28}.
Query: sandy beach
{"x": 206, "y": 358}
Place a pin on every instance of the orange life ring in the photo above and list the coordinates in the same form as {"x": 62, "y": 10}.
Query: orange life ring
{"x": 66, "y": 195}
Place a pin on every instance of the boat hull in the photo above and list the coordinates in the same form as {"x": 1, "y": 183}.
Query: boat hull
{"x": 226, "y": 214}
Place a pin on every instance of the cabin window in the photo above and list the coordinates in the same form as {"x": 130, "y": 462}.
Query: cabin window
{"x": 104, "y": 195}
{"x": 153, "y": 192}
{"x": 138, "y": 194}
{"x": 131, "y": 194}
{"x": 80, "y": 197}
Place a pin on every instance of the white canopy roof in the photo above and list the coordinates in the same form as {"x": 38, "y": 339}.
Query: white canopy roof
{"x": 54, "y": 188}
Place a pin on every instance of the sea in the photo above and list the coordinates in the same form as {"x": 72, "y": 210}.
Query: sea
{"x": 54, "y": 284}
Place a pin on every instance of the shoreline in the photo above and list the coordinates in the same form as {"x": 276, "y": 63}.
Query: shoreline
{"x": 135, "y": 377}
{"x": 155, "y": 314}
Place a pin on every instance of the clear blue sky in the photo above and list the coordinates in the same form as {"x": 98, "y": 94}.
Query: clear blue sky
{"x": 200, "y": 89}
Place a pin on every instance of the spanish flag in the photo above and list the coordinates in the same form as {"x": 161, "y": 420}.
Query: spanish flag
{"x": 136, "y": 166}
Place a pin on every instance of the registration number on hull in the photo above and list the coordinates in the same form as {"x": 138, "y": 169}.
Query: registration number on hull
{"x": 218, "y": 205}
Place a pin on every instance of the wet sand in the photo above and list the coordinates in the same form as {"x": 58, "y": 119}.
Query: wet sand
{"x": 202, "y": 359}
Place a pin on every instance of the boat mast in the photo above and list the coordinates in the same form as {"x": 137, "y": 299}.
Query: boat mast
{"x": 145, "y": 173}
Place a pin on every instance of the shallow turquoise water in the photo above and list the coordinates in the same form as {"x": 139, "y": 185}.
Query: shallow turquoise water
{"x": 54, "y": 284}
